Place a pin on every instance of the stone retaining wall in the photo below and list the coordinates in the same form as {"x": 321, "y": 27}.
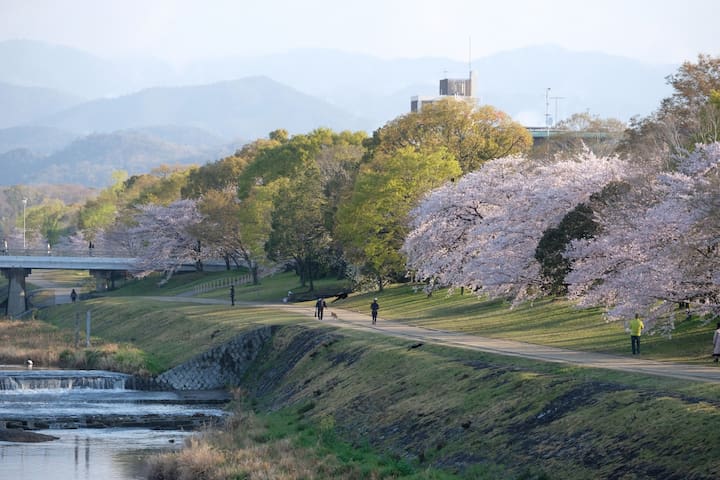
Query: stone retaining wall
{"x": 219, "y": 367}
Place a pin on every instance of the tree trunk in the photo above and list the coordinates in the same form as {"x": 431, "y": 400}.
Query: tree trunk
{"x": 300, "y": 270}
{"x": 308, "y": 266}
{"x": 254, "y": 270}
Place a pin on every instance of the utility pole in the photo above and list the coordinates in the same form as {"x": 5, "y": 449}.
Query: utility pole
{"x": 547, "y": 111}
{"x": 25, "y": 200}
{"x": 547, "y": 123}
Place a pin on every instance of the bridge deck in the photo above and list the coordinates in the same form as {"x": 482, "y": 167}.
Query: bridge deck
{"x": 52, "y": 262}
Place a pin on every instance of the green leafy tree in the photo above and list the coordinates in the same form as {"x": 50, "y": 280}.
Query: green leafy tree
{"x": 218, "y": 175}
{"x": 282, "y": 159}
{"x": 690, "y": 116}
{"x": 101, "y": 212}
{"x": 583, "y": 130}
{"x": 373, "y": 222}
{"x": 230, "y": 229}
{"x": 165, "y": 186}
{"x": 49, "y": 221}
{"x": 298, "y": 227}
{"x": 316, "y": 171}
{"x": 471, "y": 134}
{"x": 578, "y": 223}
{"x": 115, "y": 207}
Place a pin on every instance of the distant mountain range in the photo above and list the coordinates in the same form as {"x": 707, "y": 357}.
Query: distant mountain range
{"x": 248, "y": 108}
{"x": 20, "y": 105}
{"x": 52, "y": 96}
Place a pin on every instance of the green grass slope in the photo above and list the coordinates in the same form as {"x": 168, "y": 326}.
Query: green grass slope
{"x": 431, "y": 411}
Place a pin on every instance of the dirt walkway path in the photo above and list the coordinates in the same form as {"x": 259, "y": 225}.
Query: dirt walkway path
{"x": 359, "y": 321}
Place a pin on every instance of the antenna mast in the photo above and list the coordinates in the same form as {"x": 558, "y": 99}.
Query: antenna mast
{"x": 469, "y": 56}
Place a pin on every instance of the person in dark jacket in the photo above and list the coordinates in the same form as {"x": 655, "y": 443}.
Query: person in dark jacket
{"x": 320, "y": 307}
{"x": 374, "y": 307}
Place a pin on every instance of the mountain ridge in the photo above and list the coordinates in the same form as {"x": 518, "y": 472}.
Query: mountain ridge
{"x": 212, "y": 107}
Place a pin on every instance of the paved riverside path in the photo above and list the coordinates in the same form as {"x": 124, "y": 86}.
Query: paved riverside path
{"x": 362, "y": 322}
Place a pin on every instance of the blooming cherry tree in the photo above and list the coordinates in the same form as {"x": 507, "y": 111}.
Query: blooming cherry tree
{"x": 165, "y": 233}
{"x": 482, "y": 231}
{"x": 658, "y": 246}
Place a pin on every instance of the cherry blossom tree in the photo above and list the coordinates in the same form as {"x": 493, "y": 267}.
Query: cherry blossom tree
{"x": 165, "y": 234}
{"x": 658, "y": 246}
{"x": 482, "y": 231}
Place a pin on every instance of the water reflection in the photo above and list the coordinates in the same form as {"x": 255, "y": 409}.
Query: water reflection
{"x": 66, "y": 403}
{"x": 109, "y": 454}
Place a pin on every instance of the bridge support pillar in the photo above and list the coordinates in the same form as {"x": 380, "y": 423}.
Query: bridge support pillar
{"x": 102, "y": 279}
{"x": 17, "y": 293}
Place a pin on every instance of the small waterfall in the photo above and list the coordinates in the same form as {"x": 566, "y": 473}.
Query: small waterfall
{"x": 61, "y": 380}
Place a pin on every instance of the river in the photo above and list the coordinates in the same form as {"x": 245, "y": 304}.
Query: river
{"x": 105, "y": 430}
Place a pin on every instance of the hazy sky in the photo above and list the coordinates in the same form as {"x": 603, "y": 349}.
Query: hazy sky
{"x": 656, "y": 31}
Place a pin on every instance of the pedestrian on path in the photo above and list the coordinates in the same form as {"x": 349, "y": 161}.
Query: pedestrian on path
{"x": 320, "y": 307}
{"x": 636, "y": 328}
{"x": 73, "y": 295}
{"x": 716, "y": 343}
{"x": 374, "y": 307}
{"x": 232, "y": 295}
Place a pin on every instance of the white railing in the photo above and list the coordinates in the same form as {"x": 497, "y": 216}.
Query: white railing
{"x": 225, "y": 282}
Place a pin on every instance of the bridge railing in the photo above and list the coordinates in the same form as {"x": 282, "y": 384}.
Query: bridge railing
{"x": 65, "y": 252}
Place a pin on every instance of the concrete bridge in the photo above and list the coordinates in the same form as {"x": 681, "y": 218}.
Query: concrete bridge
{"x": 16, "y": 267}
{"x": 543, "y": 133}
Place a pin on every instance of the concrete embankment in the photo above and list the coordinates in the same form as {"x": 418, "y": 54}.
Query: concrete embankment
{"x": 219, "y": 367}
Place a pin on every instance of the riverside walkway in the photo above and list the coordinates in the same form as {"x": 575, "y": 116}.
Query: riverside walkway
{"x": 348, "y": 319}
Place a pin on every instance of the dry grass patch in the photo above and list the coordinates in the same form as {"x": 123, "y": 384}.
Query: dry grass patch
{"x": 245, "y": 449}
{"x": 21, "y": 340}
{"x": 50, "y": 347}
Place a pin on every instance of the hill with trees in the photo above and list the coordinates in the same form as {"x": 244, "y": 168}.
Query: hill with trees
{"x": 91, "y": 160}
{"x": 38, "y": 140}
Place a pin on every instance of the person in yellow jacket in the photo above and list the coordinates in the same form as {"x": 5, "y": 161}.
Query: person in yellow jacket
{"x": 636, "y": 328}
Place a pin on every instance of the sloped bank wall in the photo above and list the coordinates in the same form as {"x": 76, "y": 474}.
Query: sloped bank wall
{"x": 221, "y": 366}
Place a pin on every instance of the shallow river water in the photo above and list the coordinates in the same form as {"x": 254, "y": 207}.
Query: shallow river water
{"x": 105, "y": 430}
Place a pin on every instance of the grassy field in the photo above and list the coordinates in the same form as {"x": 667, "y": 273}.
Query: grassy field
{"x": 550, "y": 322}
{"x": 361, "y": 405}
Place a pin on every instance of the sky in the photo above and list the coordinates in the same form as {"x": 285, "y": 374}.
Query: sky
{"x": 179, "y": 31}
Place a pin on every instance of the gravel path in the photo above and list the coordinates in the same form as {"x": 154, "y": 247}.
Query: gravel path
{"x": 359, "y": 321}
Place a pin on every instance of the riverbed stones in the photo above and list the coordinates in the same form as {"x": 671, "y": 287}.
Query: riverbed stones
{"x": 16, "y": 435}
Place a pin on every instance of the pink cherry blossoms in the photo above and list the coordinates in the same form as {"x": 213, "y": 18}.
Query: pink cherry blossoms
{"x": 658, "y": 248}
{"x": 481, "y": 232}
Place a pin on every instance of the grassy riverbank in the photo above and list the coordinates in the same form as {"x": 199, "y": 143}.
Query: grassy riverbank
{"x": 360, "y": 405}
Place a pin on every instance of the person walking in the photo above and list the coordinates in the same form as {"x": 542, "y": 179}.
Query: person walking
{"x": 232, "y": 295}
{"x": 320, "y": 307}
{"x": 374, "y": 307}
{"x": 716, "y": 343}
{"x": 636, "y": 328}
{"x": 73, "y": 295}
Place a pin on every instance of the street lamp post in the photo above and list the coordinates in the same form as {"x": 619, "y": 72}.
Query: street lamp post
{"x": 24, "y": 226}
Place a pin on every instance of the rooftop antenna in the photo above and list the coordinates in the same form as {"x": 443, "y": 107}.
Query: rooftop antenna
{"x": 469, "y": 56}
